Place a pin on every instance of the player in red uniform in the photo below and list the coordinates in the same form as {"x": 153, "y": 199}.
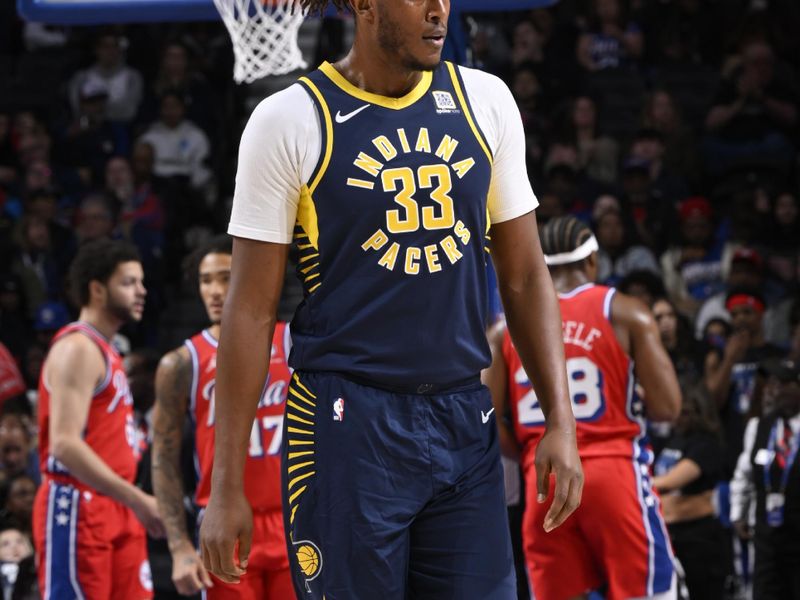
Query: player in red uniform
{"x": 617, "y": 539}
{"x": 185, "y": 383}
{"x": 88, "y": 515}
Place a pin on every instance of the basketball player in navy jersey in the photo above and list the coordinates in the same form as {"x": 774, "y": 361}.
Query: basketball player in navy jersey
{"x": 388, "y": 170}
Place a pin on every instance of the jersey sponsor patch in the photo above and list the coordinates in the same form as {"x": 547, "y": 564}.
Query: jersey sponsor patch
{"x": 445, "y": 104}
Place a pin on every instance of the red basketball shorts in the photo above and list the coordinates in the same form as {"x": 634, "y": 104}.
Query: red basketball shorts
{"x": 88, "y": 546}
{"x": 616, "y": 538}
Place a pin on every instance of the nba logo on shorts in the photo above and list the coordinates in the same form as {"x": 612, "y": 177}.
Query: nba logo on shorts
{"x": 338, "y": 409}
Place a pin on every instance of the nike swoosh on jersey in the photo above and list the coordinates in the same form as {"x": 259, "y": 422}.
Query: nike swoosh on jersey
{"x": 485, "y": 415}
{"x": 340, "y": 118}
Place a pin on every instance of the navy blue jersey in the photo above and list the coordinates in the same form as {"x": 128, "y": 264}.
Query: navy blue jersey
{"x": 391, "y": 229}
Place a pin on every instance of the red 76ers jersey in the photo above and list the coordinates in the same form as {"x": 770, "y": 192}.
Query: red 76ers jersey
{"x": 262, "y": 470}
{"x": 600, "y": 379}
{"x": 109, "y": 429}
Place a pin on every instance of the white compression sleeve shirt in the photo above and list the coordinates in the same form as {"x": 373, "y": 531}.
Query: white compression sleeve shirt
{"x": 282, "y": 142}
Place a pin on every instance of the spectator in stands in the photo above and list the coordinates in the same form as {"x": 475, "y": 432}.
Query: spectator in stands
{"x": 767, "y": 474}
{"x": 730, "y": 376}
{"x": 751, "y": 113}
{"x": 13, "y": 315}
{"x": 527, "y": 45}
{"x": 746, "y": 270}
{"x": 648, "y": 146}
{"x": 687, "y": 471}
{"x": 619, "y": 253}
{"x": 17, "y": 569}
{"x": 781, "y": 240}
{"x": 91, "y": 138}
{"x": 35, "y": 263}
{"x": 661, "y": 114}
{"x": 527, "y": 92}
{"x": 646, "y": 286}
{"x": 15, "y": 450}
{"x": 124, "y": 84}
{"x": 141, "y": 216}
{"x": 611, "y": 39}
{"x": 17, "y": 509}
{"x": 564, "y": 177}
{"x": 95, "y": 219}
{"x": 654, "y": 217}
{"x": 597, "y": 153}
{"x": 695, "y": 269}
{"x": 176, "y": 73}
{"x": 676, "y": 334}
{"x": 47, "y": 320}
{"x": 181, "y": 148}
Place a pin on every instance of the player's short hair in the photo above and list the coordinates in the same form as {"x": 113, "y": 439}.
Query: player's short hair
{"x": 97, "y": 261}
{"x": 319, "y": 6}
{"x": 219, "y": 244}
{"x": 563, "y": 235}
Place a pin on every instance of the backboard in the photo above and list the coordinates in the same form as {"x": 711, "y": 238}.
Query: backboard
{"x": 94, "y": 12}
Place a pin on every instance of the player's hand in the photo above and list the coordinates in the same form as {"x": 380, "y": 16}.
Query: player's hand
{"x": 227, "y": 526}
{"x": 557, "y": 454}
{"x": 188, "y": 573}
{"x": 146, "y": 510}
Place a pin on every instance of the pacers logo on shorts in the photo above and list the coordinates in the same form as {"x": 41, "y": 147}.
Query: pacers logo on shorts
{"x": 309, "y": 559}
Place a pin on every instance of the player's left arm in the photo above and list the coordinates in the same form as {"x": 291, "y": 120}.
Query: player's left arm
{"x": 495, "y": 377}
{"x": 534, "y": 322}
{"x": 529, "y": 300}
{"x": 638, "y": 333}
{"x": 173, "y": 387}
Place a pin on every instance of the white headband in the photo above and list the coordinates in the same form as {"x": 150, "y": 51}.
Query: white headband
{"x": 583, "y": 251}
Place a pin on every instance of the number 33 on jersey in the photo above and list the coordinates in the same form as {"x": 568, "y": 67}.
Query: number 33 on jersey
{"x": 262, "y": 469}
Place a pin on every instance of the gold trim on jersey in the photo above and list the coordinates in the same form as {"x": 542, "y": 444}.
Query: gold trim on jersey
{"x": 467, "y": 114}
{"x": 326, "y": 117}
{"x": 385, "y": 101}
{"x": 306, "y": 232}
{"x": 478, "y": 135}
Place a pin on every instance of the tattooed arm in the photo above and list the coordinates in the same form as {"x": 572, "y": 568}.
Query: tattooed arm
{"x": 173, "y": 385}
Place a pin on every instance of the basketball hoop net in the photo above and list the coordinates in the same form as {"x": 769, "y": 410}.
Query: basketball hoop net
{"x": 264, "y": 36}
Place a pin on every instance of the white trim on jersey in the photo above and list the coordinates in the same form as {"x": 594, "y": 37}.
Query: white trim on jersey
{"x": 574, "y": 292}
{"x": 48, "y": 561}
{"x": 73, "y": 545}
{"x": 607, "y": 303}
{"x": 209, "y": 338}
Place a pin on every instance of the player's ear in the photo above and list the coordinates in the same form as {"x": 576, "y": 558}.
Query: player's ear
{"x": 97, "y": 291}
{"x": 363, "y": 10}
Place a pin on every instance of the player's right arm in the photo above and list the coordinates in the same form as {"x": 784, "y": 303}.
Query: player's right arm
{"x": 279, "y": 149}
{"x": 638, "y": 333}
{"x": 495, "y": 377}
{"x": 173, "y": 386}
{"x": 248, "y": 322}
{"x": 74, "y": 367}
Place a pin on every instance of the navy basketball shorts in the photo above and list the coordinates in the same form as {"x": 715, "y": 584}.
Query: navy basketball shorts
{"x": 391, "y": 496}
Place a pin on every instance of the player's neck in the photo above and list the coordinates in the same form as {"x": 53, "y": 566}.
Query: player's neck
{"x": 103, "y": 322}
{"x": 214, "y": 330}
{"x": 566, "y": 281}
{"x": 374, "y": 72}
